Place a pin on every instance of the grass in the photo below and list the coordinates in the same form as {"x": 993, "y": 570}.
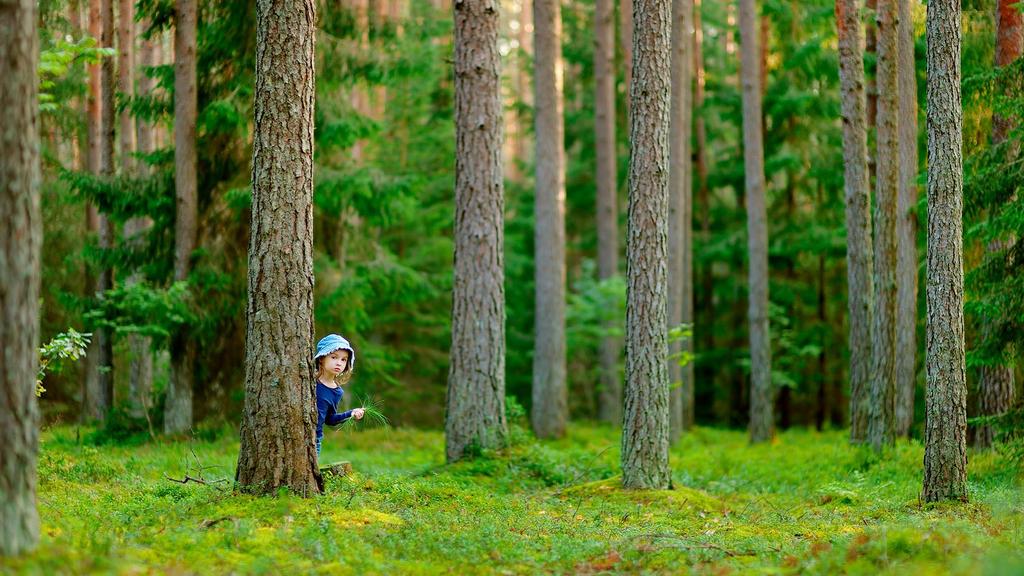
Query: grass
{"x": 806, "y": 504}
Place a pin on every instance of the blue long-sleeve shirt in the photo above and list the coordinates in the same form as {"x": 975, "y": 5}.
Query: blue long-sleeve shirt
{"x": 327, "y": 402}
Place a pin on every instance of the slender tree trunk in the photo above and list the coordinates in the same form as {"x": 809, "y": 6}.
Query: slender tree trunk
{"x": 906, "y": 225}
{"x": 610, "y": 396}
{"x": 476, "y": 379}
{"x": 645, "y": 433}
{"x": 761, "y": 418}
{"x": 859, "y": 251}
{"x": 178, "y": 407}
{"x": 996, "y": 387}
{"x": 21, "y": 228}
{"x": 550, "y": 413}
{"x": 945, "y": 455}
{"x": 278, "y": 446}
{"x": 704, "y": 329}
{"x": 626, "y": 10}
{"x": 680, "y": 277}
{"x": 94, "y": 123}
{"x": 522, "y": 78}
{"x": 99, "y": 376}
{"x": 140, "y": 375}
{"x": 882, "y": 421}
{"x": 125, "y": 79}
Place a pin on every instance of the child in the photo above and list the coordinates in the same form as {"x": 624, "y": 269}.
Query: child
{"x": 334, "y": 357}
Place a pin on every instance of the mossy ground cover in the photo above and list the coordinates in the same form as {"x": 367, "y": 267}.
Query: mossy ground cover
{"x": 807, "y": 504}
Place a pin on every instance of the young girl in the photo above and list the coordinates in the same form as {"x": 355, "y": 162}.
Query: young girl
{"x": 334, "y": 358}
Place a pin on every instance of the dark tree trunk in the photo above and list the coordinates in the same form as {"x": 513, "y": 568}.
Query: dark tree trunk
{"x": 21, "y": 228}
{"x": 278, "y": 429}
{"x": 476, "y": 379}
{"x": 645, "y": 433}
{"x": 761, "y": 418}
{"x": 945, "y": 455}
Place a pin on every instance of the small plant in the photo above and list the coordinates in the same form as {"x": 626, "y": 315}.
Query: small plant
{"x": 67, "y": 345}
{"x": 372, "y": 414}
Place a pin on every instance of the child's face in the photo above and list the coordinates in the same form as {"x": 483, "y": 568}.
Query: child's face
{"x": 336, "y": 362}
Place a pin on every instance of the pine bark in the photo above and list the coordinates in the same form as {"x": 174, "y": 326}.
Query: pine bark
{"x": 645, "y": 434}
{"x": 178, "y": 407}
{"x": 859, "y": 252}
{"x": 20, "y": 243}
{"x": 906, "y": 225}
{"x": 882, "y": 420}
{"x": 680, "y": 247}
{"x": 610, "y": 349}
{"x": 476, "y": 379}
{"x": 996, "y": 389}
{"x": 762, "y": 422}
{"x": 945, "y": 455}
{"x": 279, "y": 423}
{"x": 550, "y": 413}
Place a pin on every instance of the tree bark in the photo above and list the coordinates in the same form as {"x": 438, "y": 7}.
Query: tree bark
{"x": 882, "y": 420}
{"x": 279, "y": 423}
{"x": 680, "y": 248}
{"x": 945, "y": 455}
{"x": 94, "y": 122}
{"x": 550, "y": 413}
{"x": 859, "y": 252}
{"x": 610, "y": 396}
{"x": 761, "y": 418}
{"x": 996, "y": 385}
{"x": 20, "y": 243}
{"x": 476, "y": 379}
{"x": 645, "y": 434}
{"x": 906, "y": 225}
{"x": 178, "y": 407}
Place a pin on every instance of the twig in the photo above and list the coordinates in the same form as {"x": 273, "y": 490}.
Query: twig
{"x": 211, "y": 484}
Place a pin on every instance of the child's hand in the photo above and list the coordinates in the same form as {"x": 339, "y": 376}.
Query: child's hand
{"x": 357, "y": 413}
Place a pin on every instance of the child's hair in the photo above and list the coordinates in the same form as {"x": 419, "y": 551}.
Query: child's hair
{"x": 340, "y": 379}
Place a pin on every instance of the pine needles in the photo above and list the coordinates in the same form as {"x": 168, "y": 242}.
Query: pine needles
{"x": 373, "y": 416}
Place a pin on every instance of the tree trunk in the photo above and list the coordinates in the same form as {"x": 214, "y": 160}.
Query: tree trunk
{"x": 476, "y": 379}
{"x": 706, "y": 328}
{"x": 550, "y": 413}
{"x": 996, "y": 386}
{"x": 945, "y": 455}
{"x": 761, "y": 418}
{"x": 279, "y": 423}
{"x": 94, "y": 123}
{"x": 125, "y": 79}
{"x": 645, "y": 434}
{"x": 610, "y": 396}
{"x": 906, "y": 226}
{"x": 140, "y": 375}
{"x": 858, "y": 214}
{"x": 178, "y": 407}
{"x": 99, "y": 375}
{"x": 680, "y": 277}
{"x": 21, "y": 228}
{"x": 882, "y": 420}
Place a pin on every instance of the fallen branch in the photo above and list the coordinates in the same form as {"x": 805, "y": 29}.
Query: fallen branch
{"x": 187, "y": 479}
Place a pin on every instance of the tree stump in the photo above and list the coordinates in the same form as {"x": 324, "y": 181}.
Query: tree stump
{"x": 338, "y": 469}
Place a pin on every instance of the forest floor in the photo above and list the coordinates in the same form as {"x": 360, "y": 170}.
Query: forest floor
{"x": 806, "y": 504}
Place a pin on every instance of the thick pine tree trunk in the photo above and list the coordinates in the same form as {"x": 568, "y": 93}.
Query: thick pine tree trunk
{"x": 906, "y": 226}
{"x": 609, "y": 407}
{"x": 279, "y": 423}
{"x": 178, "y": 408}
{"x": 882, "y": 420}
{"x": 858, "y": 213}
{"x": 20, "y": 243}
{"x": 550, "y": 413}
{"x": 645, "y": 433}
{"x": 996, "y": 386}
{"x": 680, "y": 276}
{"x": 762, "y": 422}
{"x": 476, "y": 379}
{"x": 945, "y": 455}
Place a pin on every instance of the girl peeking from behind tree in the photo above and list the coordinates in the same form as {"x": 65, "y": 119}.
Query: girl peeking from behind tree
{"x": 334, "y": 361}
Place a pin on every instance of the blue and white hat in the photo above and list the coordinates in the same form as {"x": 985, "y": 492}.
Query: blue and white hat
{"x": 333, "y": 343}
